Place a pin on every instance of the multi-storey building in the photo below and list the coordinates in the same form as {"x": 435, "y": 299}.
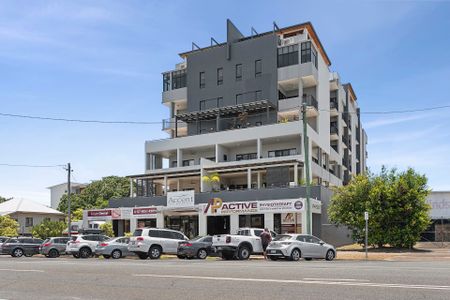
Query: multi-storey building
{"x": 235, "y": 114}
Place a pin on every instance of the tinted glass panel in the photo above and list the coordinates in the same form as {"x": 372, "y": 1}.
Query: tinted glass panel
{"x": 208, "y": 239}
{"x": 154, "y": 233}
{"x": 258, "y": 232}
{"x": 166, "y": 234}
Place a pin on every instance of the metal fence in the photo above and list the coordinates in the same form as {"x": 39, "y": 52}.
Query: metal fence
{"x": 438, "y": 232}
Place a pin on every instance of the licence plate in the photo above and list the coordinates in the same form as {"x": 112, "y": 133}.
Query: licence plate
{"x": 272, "y": 251}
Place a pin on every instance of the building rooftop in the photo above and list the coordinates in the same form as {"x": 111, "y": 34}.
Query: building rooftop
{"x": 25, "y": 206}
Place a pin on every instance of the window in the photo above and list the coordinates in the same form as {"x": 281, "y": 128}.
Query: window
{"x": 137, "y": 232}
{"x": 178, "y": 79}
{"x": 239, "y": 98}
{"x": 207, "y": 239}
{"x": 219, "y": 76}
{"x": 46, "y": 219}
{"x": 243, "y": 232}
{"x": 202, "y": 80}
{"x": 308, "y": 53}
{"x": 28, "y": 222}
{"x": 258, "y": 232}
{"x": 166, "y": 234}
{"x": 166, "y": 82}
{"x": 238, "y": 72}
{"x": 211, "y": 103}
{"x": 258, "y": 68}
{"x": 154, "y": 233}
{"x": 284, "y": 152}
{"x": 174, "y": 164}
{"x": 188, "y": 162}
{"x": 245, "y": 156}
{"x": 287, "y": 56}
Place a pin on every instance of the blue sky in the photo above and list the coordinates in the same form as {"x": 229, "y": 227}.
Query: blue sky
{"x": 103, "y": 60}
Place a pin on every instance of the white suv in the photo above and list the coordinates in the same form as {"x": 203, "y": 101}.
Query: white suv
{"x": 152, "y": 242}
{"x": 84, "y": 245}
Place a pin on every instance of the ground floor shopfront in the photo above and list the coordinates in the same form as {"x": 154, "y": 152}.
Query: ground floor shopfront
{"x": 214, "y": 217}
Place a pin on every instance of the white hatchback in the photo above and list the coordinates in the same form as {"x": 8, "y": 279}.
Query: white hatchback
{"x": 152, "y": 242}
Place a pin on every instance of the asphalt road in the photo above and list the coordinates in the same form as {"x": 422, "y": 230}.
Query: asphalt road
{"x": 67, "y": 278}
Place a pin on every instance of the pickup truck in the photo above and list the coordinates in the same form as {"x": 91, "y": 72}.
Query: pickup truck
{"x": 240, "y": 245}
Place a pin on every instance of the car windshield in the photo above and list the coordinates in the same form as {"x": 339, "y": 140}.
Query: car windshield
{"x": 282, "y": 237}
{"x": 137, "y": 232}
{"x": 46, "y": 241}
{"x": 74, "y": 238}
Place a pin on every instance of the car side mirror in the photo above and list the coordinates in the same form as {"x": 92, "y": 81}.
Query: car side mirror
{"x": 321, "y": 243}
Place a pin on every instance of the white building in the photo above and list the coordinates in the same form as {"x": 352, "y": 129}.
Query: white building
{"x": 57, "y": 191}
{"x": 234, "y": 111}
{"x": 28, "y": 213}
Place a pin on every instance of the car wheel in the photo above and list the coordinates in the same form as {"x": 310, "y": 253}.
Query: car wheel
{"x": 202, "y": 254}
{"x": 85, "y": 252}
{"x": 308, "y": 258}
{"x": 181, "y": 256}
{"x": 227, "y": 255}
{"x": 274, "y": 258}
{"x": 18, "y": 252}
{"x": 106, "y": 256}
{"x": 154, "y": 252}
{"x": 53, "y": 253}
{"x": 330, "y": 255}
{"x": 116, "y": 254}
{"x": 295, "y": 255}
{"x": 142, "y": 255}
{"x": 76, "y": 255}
{"x": 244, "y": 253}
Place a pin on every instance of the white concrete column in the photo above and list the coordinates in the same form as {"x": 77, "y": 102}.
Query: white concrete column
{"x": 179, "y": 157}
{"x": 160, "y": 220}
{"x": 133, "y": 224}
{"x": 165, "y": 185}
{"x": 268, "y": 221}
{"x": 249, "y": 178}
{"x": 258, "y": 148}
{"x": 178, "y": 184}
{"x": 216, "y": 148}
{"x": 202, "y": 223}
{"x": 234, "y": 223}
{"x": 296, "y": 174}
{"x": 202, "y": 184}
{"x": 304, "y": 231}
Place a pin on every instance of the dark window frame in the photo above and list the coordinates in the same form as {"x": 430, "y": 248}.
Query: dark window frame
{"x": 219, "y": 76}
{"x": 246, "y": 156}
{"x": 258, "y": 68}
{"x": 202, "y": 80}
{"x": 238, "y": 72}
{"x": 282, "y": 152}
{"x": 287, "y": 56}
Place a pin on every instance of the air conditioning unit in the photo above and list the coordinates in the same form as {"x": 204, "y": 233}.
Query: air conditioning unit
{"x": 287, "y": 41}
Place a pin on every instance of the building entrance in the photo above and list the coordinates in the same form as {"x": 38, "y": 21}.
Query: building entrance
{"x": 186, "y": 224}
{"x": 218, "y": 225}
{"x": 146, "y": 223}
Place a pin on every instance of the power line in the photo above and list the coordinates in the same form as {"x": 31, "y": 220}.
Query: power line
{"x": 168, "y": 122}
{"x": 77, "y": 120}
{"x": 31, "y": 166}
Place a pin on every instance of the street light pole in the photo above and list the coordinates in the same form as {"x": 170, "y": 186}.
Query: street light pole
{"x": 306, "y": 159}
{"x": 366, "y": 219}
{"x": 69, "y": 232}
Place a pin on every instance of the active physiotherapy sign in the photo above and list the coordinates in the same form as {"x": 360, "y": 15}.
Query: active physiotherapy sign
{"x": 216, "y": 206}
{"x": 180, "y": 199}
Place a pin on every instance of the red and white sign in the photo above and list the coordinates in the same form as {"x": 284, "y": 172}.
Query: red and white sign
{"x": 144, "y": 212}
{"x": 99, "y": 213}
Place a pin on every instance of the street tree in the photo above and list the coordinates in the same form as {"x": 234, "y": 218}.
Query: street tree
{"x": 8, "y": 226}
{"x": 97, "y": 194}
{"x": 395, "y": 201}
{"x": 107, "y": 229}
{"x": 48, "y": 229}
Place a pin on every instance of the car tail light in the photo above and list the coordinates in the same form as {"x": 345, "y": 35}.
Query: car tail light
{"x": 103, "y": 244}
{"x": 187, "y": 244}
{"x": 140, "y": 238}
{"x": 47, "y": 245}
{"x": 228, "y": 239}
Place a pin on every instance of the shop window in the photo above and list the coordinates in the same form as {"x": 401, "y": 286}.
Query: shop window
{"x": 254, "y": 221}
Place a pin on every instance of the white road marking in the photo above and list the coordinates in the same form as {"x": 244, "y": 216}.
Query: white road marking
{"x": 338, "y": 279}
{"x": 361, "y": 284}
{"x": 19, "y": 270}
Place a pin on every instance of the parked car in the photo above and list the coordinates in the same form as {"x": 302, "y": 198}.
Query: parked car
{"x": 152, "y": 242}
{"x": 20, "y": 246}
{"x": 2, "y": 240}
{"x": 114, "y": 247}
{"x": 84, "y": 245}
{"x": 199, "y": 247}
{"x": 296, "y": 246}
{"x": 54, "y": 246}
{"x": 241, "y": 245}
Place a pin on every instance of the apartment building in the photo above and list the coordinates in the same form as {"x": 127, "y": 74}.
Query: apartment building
{"x": 236, "y": 134}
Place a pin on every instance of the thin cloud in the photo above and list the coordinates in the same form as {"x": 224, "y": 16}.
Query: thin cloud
{"x": 405, "y": 136}
{"x": 389, "y": 121}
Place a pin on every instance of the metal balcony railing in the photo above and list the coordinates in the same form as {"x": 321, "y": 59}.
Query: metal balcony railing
{"x": 334, "y": 103}
{"x": 334, "y": 129}
{"x": 310, "y": 101}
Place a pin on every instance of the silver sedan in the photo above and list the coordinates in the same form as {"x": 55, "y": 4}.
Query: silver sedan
{"x": 296, "y": 246}
{"x": 114, "y": 247}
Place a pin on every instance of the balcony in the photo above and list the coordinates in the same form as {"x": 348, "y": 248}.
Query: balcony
{"x": 344, "y": 141}
{"x": 334, "y": 107}
{"x": 169, "y": 124}
{"x": 334, "y": 131}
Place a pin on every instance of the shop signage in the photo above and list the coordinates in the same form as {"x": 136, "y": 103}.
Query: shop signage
{"x": 144, "y": 212}
{"x": 180, "y": 199}
{"x": 218, "y": 207}
{"x": 99, "y": 213}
